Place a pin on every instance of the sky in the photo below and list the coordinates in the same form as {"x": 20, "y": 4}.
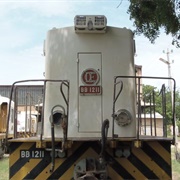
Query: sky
{"x": 24, "y": 24}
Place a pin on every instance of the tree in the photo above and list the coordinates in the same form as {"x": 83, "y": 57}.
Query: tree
{"x": 150, "y": 16}
{"x": 147, "y": 94}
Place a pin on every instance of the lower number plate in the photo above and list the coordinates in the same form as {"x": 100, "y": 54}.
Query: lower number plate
{"x": 35, "y": 154}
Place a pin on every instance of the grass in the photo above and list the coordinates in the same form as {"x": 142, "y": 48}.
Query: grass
{"x": 176, "y": 169}
{"x": 4, "y": 167}
{"x": 175, "y": 163}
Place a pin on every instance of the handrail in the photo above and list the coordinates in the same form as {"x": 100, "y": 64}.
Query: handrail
{"x": 116, "y": 78}
{"x": 42, "y": 117}
{"x": 115, "y": 97}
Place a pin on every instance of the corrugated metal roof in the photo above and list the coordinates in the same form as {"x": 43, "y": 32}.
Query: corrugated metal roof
{"x": 5, "y": 91}
{"x": 24, "y": 93}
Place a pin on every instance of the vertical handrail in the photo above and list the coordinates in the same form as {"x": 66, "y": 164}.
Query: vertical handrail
{"x": 30, "y": 109}
{"x": 115, "y": 97}
{"x": 139, "y": 109}
{"x": 61, "y": 90}
{"x": 150, "y": 109}
{"x": 39, "y": 101}
{"x": 15, "y": 111}
{"x": 65, "y": 99}
{"x": 42, "y": 116}
{"x": 162, "y": 92}
{"x": 154, "y": 110}
{"x": 28, "y": 123}
{"x": 173, "y": 109}
{"x": 26, "y": 116}
{"x": 144, "y": 117}
{"x": 8, "y": 118}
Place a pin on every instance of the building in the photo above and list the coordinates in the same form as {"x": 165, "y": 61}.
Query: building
{"x": 151, "y": 123}
{"x": 25, "y": 95}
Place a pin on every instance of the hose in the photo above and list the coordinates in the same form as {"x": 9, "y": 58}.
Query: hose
{"x": 104, "y": 133}
{"x": 53, "y": 147}
{"x": 53, "y": 138}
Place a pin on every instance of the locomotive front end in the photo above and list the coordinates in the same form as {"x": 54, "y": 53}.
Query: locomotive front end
{"x": 88, "y": 105}
{"x": 90, "y": 117}
{"x": 89, "y": 60}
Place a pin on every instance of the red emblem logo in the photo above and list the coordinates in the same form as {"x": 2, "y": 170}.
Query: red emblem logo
{"x": 90, "y": 77}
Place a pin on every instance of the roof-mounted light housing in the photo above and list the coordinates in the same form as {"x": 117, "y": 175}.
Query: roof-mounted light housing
{"x": 90, "y": 24}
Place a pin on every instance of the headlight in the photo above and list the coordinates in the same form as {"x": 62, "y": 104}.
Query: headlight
{"x": 90, "y": 24}
{"x": 123, "y": 117}
{"x": 57, "y": 117}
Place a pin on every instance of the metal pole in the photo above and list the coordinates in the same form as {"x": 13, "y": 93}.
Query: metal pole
{"x": 169, "y": 68}
{"x": 169, "y": 72}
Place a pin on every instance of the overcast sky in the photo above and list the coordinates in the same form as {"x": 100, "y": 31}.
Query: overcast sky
{"x": 24, "y": 25}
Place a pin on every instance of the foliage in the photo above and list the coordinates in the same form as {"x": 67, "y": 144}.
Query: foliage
{"x": 177, "y": 105}
{"x": 178, "y": 124}
{"x": 154, "y": 96}
{"x": 147, "y": 95}
{"x": 151, "y": 15}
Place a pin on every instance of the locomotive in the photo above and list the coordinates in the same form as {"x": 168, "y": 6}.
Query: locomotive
{"x": 92, "y": 123}
{"x": 4, "y": 109}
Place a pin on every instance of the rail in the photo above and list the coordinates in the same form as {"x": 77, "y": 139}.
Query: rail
{"x": 14, "y": 96}
{"x": 147, "y": 109}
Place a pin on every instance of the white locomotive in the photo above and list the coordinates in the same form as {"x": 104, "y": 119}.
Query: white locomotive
{"x": 91, "y": 118}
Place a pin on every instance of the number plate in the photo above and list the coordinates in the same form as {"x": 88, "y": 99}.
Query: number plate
{"x": 34, "y": 154}
{"x": 90, "y": 90}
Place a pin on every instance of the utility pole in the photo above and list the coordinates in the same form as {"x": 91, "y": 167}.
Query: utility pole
{"x": 169, "y": 67}
{"x": 169, "y": 85}
{"x": 169, "y": 73}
